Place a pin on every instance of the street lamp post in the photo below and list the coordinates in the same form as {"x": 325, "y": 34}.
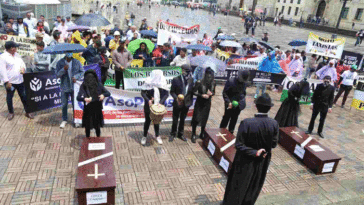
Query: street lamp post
{"x": 341, "y": 14}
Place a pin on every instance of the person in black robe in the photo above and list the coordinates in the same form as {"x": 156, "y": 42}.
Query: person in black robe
{"x": 181, "y": 85}
{"x": 287, "y": 115}
{"x": 322, "y": 101}
{"x": 254, "y": 142}
{"x": 92, "y": 93}
{"x": 204, "y": 90}
{"x": 234, "y": 90}
{"x": 154, "y": 91}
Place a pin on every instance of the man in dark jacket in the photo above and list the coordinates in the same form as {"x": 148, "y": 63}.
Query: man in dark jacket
{"x": 182, "y": 92}
{"x": 322, "y": 101}
{"x": 91, "y": 55}
{"x": 104, "y": 64}
{"x": 256, "y": 138}
{"x": 234, "y": 96}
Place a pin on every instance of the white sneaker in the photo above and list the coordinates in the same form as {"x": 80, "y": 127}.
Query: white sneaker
{"x": 159, "y": 140}
{"x": 63, "y": 124}
{"x": 144, "y": 140}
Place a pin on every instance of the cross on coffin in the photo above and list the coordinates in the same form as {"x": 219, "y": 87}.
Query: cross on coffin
{"x": 296, "y": 133}
{"x": 222, "y": 136}
{"x": 96, "y": 175}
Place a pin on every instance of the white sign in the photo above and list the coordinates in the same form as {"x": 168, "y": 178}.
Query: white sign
{"x": 175, "y": 33}
{"x": 316, "y": 148}
{"x": 328, "y": 167}
{"x": 245, "y": 64}
{"x": 211, "y": 147}
{"x": 99, "y": 197}
{"x": 332, "y": 48}
{"x": 96, "y": 146}
{"x": 224, "y": 164}
{"x": 299, "y": 151}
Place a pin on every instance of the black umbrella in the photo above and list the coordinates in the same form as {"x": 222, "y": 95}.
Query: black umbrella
{"x": 92, "y": 20}
{"x": 266, "y": 45}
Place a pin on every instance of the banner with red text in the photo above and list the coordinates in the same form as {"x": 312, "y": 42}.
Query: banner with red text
{"x": 170, "y": 33}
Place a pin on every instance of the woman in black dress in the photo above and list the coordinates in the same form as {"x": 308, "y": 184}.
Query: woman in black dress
{"x": 287, "y": 114}
{"x": 92, "y": 93}
{"x": 154, "y": 92}
{"x": 204, "y": 90}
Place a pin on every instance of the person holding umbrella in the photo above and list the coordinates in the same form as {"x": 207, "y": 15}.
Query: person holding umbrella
{"x": 69, "y": 70}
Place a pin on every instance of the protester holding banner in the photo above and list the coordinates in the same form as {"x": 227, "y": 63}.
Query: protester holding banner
{"x": 41, "y": 60}
{"x": 121, "y": 58}
{"x": 287, "y": 115}
{"x": 322, "y": 101}
{"x": 12, "y": 69}
{"x": 154, "y": 92}
{"x": 92, "y": 93}
{"x": 204, "y": 90}
{"x": 69, "y": 70}
{"x": 234, "y": 97}
{"x": 348, "y": 79}
{"x": 182, "y": 93}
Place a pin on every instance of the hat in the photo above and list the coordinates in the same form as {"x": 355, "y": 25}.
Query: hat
{"x": 39, "y": 35}
{"x": 327, "y": 77}
{"x": 10, "y": 44}
{"x": 68, "y": 17}
{"x": 355, "y": 67}
{"x": 264, "y": 100}
{"x": 116, "y": 33}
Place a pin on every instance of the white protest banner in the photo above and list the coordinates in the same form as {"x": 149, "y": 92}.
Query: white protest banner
{"x": 288, "y": 82}
{"x": 134, "y": 78}
{"x": 176, "y": 33}
{"x": 332, "y": 48}
{"x": 123, "y": 107}
{"x": 26, "y": 45}
{"x": 246, "y": 64}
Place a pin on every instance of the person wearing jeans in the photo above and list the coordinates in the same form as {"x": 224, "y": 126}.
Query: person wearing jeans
{"x": 12, "y": 69}
{"x": 121, "y": 58}
{"x": 69, "y": 70}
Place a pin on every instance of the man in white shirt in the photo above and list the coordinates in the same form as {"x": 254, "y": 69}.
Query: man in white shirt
{"x": 12, "y": 69}
{"x": 260, "y": 52}
{"x": 31, "y": 22}
{"x": 130, "y": 33}
{"x": 69, "y": 23}
{"x": 348, "y": 79}
{"x": 181, "y": 59}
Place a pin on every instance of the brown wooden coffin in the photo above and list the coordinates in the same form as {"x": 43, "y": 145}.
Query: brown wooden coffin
{"x": 89, "y": 189}
{"x": 223, "y": 143}
{"x": 315, "y": 156}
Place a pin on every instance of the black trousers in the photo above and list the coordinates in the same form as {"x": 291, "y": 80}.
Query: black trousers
{"x": 88, "y": 131}
{"x": 147, "y": 123}
{"x": 119, "y": 78}
{"x": 343, "y": 89}
{"x": 179, "y": 114}
{"x": 230, "y": 115}
{"x": 10, "y": 94}
{"x": 315, "y": 112}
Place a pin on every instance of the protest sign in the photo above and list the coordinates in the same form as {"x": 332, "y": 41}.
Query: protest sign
{"x": 43, "y": 90}
{"x": 361, "y": 78}
{"x": 358, "y": 99}
{"x": 222, "y": 55}
{"x": 351, "y": 58}
{"x": 169, "y": 32}
{"x": 288, "y": 82}
{"x": 26, "y": 45}
{"x": 123, "y": 106}
{"x": 137, "y": 63}
{"x": 332, "y": 48}
{"x": 134, "y": 78}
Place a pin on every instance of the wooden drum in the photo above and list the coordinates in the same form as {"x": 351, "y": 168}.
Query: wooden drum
{"x": 157, "y": 113}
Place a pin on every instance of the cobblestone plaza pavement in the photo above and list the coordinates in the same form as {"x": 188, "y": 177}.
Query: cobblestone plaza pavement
{"x": 38, "y": 160}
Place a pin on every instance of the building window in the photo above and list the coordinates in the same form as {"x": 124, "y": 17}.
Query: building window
{"x": 289, "y": 10}
{"x": 345, "y": 13}
{"x": 291, "y": 1}
{"x": 296, "y": 12}
{"x": 298, "y": 1}
{"x": 282, "y": 9}
{"x": 276, "y": 11}
{"x": 358, "y": 14}
{"x": 279, "y": 1}
{"x": 284, "y": 1}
